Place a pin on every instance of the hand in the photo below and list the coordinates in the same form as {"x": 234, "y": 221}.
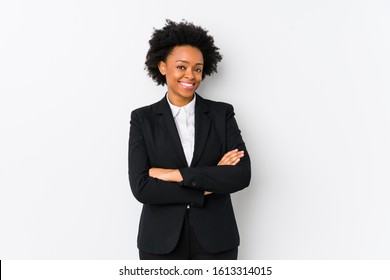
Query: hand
{"x": 169, "y": 175}
{"x": 231, "y": 158}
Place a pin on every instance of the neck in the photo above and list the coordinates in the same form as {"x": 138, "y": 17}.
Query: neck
{"x": 180, "y": 102}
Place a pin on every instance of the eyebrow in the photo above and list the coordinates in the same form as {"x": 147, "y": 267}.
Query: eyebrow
{"x": 185, "y": 61}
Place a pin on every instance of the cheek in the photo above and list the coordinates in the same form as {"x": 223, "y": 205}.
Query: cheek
{"x": 173, "y": 75}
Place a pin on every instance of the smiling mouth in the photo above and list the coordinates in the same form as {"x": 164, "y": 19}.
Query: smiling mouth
{"x": 187, "y": 85}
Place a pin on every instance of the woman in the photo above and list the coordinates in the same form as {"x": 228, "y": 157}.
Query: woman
{"x": 186, "y": 154}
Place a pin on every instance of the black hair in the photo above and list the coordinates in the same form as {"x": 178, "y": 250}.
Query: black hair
{"x": 175, "y": 34}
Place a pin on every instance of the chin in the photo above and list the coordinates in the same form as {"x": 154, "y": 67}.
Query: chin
{"x": 187, "y": 93}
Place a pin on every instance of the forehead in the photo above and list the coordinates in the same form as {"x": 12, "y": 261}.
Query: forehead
{"x": 186, "y": 53}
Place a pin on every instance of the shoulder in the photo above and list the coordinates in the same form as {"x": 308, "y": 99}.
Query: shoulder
{"x": 216, "y": 105}
{"x": 148, "y": 109}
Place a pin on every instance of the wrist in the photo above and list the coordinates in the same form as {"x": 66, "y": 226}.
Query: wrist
{"x": 176, "y": 175}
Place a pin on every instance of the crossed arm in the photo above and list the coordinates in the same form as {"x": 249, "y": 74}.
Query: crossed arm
{"x": 187, "y": 185}
{"x": 173, "y": 175}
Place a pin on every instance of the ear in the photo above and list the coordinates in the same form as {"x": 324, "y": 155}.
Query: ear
{"x": 162, "y": 67}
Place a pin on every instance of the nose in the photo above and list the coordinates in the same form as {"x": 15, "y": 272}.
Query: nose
{"x": 190, "y": 74}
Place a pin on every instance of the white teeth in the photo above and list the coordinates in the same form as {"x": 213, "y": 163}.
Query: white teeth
{"x": 186, "y": 84}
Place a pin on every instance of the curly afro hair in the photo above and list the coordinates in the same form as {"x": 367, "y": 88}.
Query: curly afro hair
{"x": 174, "y": 34}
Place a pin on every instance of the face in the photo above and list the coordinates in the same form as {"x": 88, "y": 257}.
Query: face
{"x": 183, "y": 71}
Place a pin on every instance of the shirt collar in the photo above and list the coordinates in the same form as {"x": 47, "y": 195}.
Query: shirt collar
{"x": 188, "y": 108}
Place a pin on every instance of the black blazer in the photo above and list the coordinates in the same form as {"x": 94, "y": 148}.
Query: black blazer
{"x": 154, "y": 142}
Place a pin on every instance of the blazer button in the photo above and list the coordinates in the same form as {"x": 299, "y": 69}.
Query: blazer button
{"x": 193, "y": 183}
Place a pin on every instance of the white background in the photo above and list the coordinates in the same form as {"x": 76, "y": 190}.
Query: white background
{"x": 309, "y": 81}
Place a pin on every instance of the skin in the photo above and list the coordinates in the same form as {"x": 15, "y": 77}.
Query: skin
{"x": 183, "y": 71}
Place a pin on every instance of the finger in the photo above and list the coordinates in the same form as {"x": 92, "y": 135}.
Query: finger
{"x": 234, "y": 156}
{"x": 231, "y": 152}
{"x": 231, "y": 161}
{"x": 234, "y": 161}
{"x": 230, "y": 157}
{"x": 228, "y": 154}
{"x": 224, "y": 159}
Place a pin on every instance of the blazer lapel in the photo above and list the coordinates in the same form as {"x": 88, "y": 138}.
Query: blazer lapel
{"x": 202, "y": 128}
{"x": 165, "y": 120}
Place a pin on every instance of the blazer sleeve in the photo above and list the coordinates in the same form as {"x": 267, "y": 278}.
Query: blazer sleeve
{"x": 223, "y": 179}
{"x": 150, "y": 190}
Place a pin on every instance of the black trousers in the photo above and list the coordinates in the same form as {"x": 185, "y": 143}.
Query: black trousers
{"x": 188, "y": 248}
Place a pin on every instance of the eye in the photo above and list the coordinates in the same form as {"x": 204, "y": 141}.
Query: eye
{"x": 181, "y": 67}
{"x": 199, "y": 70}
